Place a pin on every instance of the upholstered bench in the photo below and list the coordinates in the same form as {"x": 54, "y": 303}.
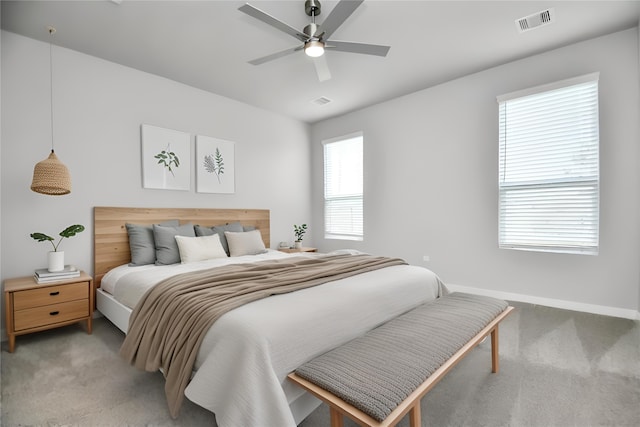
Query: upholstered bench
{"x": 378, "y": 378}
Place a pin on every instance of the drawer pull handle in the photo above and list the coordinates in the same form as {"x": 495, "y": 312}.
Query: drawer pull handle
{"x": 54, "y": 293}
{"x": 54, "y": 313}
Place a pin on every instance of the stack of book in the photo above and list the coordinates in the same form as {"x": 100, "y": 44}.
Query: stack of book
{"x": 42, "y": 275}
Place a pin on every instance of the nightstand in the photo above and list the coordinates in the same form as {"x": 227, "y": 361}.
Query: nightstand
{"x": 293, "y": 250}
{"x": 32, "y": 307}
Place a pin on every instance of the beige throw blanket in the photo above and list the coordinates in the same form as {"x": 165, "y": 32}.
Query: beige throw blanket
{"x": 169, "y": 323}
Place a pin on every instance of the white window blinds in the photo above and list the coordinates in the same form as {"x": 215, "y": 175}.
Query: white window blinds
{"x": 549, "y": 168}
{"x": 343, "y": 183}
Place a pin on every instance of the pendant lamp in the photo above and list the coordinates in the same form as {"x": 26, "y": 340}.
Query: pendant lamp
{"x": 51, "y": 176}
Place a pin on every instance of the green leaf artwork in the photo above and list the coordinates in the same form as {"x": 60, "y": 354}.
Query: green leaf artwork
{"x": 167, "y": 158}
{"x": 214, "y": 164}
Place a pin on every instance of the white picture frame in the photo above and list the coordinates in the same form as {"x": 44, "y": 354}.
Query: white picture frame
{"x": 166, "y": 158}
{"x": 215, "y": 165}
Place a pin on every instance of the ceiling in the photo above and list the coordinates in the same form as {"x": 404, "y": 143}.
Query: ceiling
{"x": 207, "y": 44}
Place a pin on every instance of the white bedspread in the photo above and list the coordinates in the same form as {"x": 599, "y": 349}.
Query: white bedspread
{"x": 246, "y": 355}
{"x": 128, "y": 284}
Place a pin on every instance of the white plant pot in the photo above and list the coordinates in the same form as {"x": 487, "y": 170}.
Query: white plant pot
{"x": 297, "y": 245}
{"x": 56, "y": 261}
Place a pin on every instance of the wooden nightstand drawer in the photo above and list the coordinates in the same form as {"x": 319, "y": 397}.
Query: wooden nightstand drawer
{"x": 50, "y": 295}
{"x": 50, "y": 314}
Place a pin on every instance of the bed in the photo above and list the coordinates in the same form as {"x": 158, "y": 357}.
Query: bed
{"x": 241, "y": 367}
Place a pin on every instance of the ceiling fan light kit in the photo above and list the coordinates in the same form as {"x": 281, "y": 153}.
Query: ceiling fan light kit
{"x": 314, "y": 48}
{"x": 315, "y": 38}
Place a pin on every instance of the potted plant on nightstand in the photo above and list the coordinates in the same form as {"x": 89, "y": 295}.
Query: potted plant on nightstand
{"x": 56, "y": 257}
{"x": 299, "y": 232}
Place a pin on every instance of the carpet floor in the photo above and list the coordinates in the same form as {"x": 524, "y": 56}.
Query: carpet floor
{"x": 557, "y": 368}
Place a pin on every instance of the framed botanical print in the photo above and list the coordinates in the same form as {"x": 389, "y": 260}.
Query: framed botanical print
{"x": 166, "y": 158}
{"x": 215, "y": 160}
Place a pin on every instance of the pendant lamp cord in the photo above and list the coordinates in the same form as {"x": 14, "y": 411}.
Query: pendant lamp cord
{"x": 51, "y": 31}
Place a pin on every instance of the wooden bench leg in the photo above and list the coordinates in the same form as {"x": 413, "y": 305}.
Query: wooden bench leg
{"x": 495, "y": 366}
{"x": 336, "y": 417}
{"x": 414, "y": 415}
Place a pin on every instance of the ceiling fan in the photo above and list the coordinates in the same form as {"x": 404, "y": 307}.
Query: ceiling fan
{"x": 316, "y": 38}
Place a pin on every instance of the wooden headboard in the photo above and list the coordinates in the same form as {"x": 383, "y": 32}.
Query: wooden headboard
{"x": 111, "y": 242}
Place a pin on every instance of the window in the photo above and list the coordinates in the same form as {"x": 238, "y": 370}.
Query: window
{"x": 343, "y": 212}
{"x": 549, "y": 167}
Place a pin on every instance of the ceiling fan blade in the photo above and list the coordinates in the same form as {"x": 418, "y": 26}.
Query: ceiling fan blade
{"x": 268, "y": 19}
{"x": 322, "y": 68}
{"x": 338, "y": 15}
{"x": 363, "y": 48}
{"x": 273, "y": 56}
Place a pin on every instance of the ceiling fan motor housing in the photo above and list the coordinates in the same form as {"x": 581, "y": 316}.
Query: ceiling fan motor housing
{"x": 310, "y": 31}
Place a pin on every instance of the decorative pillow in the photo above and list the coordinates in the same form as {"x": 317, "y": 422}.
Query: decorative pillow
{"x": 245, "y": 243}
{"x": 166, "y": 247}
{"x": 203, "y": 231}
{"x": 194, "y": 249}
{"x": 248, "y": 228}
{"x": 235, "y": 227}
{"x": 142, "y": 244}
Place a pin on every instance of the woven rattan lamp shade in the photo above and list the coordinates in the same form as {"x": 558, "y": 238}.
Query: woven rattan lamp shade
{"x": 51, "y": 177}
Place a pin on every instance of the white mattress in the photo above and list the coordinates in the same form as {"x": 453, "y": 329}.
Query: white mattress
{"x": 246, "y": 355}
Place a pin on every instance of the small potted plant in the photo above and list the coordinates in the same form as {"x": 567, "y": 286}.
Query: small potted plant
{"x": 299, "y": 231}
{"x": 56, "y": 257}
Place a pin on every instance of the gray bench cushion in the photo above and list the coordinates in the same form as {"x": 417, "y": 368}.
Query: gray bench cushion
{"x": 379, "y": 370}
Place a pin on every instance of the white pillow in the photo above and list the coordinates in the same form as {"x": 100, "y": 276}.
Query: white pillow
{"x": 194, "y": 249}
{"x": 245, "y": 243}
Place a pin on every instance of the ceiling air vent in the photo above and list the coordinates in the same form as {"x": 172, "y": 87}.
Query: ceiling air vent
{"x": 545, "y": 17}
{"x": 323, "y": 100}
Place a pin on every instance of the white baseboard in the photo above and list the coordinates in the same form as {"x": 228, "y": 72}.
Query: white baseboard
{"x": 550, "y": 302}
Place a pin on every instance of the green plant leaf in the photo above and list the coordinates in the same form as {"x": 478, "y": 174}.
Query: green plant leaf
{"x": 72, "y": 230}
{"x": 299, "y": 231}
{"x": 41, "y": 237}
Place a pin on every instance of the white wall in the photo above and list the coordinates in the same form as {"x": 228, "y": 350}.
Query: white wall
{"x": 98, "y": 109}
{"x": 431, "y": 180}
{"x": 1, "y": 310}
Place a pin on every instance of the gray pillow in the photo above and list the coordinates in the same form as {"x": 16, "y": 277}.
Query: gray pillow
{"x": 167, "y": 251}
{"x": 142, "y": 244}
{"x": 235, "y": 227}
{"x": 203, "y": 231}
